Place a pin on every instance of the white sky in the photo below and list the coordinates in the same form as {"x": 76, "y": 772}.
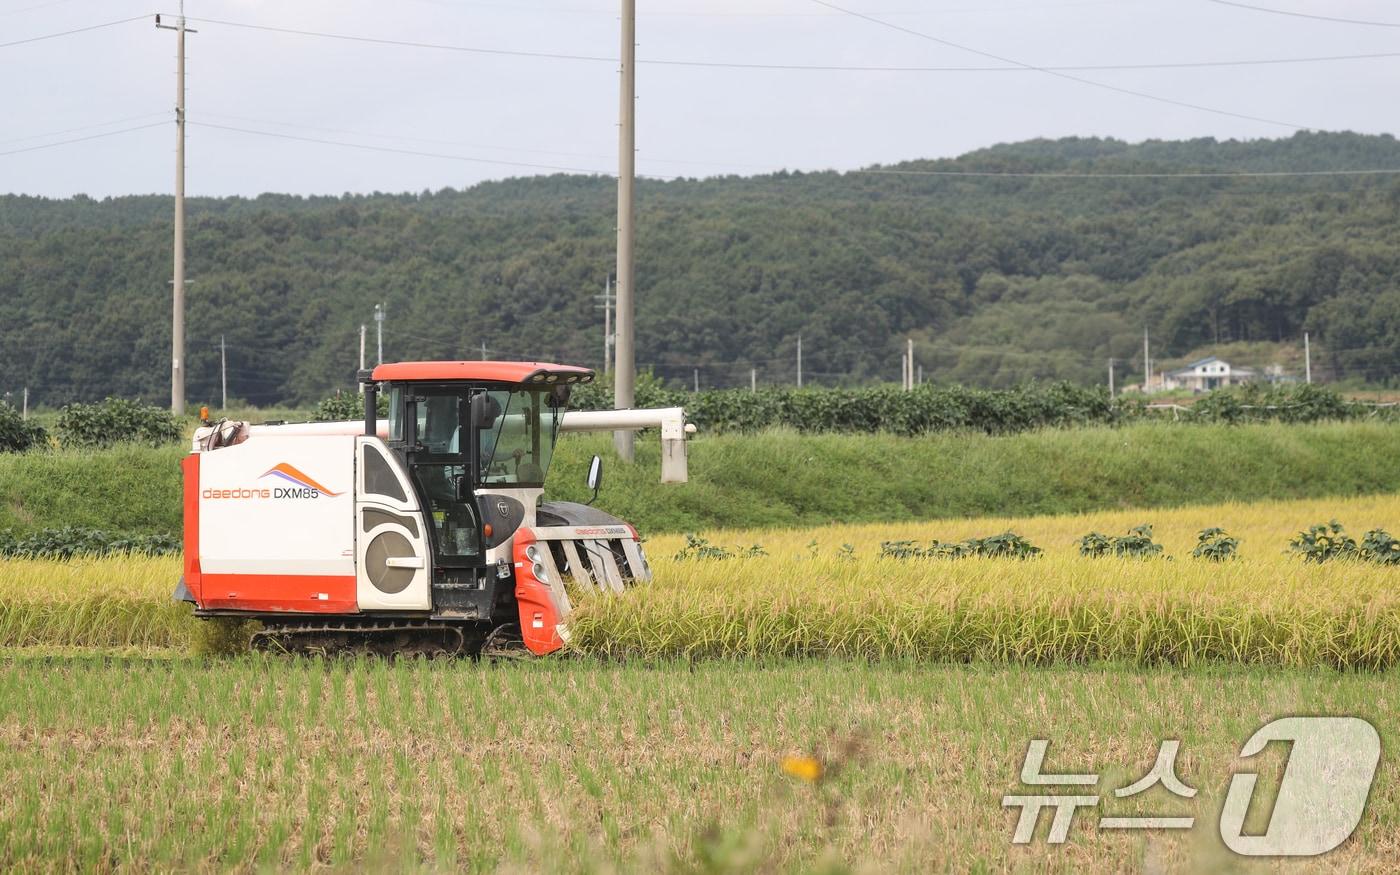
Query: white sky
{"x": 691, "y": 121}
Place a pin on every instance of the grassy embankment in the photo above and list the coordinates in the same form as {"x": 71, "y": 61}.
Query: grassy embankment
{"x": 786, "y": 479}
{"x": 269, "y": 764}
{"x": 805, "y": 599}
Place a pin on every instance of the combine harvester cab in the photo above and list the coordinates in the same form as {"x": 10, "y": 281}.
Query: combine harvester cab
{"x": 420, "y": 533}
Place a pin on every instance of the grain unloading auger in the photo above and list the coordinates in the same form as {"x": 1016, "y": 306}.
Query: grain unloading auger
{"x": 424, "y": 532}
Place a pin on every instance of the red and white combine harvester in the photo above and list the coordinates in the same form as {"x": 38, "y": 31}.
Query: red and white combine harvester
{"x": 423, "y": 533}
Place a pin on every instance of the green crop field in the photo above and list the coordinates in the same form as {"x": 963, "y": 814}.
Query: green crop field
{"x": 263, "y": 764}
{"x": 787, "y": 479}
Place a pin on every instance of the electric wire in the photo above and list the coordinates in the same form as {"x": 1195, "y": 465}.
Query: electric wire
{"x": 82, "y": 139}
{"x": 397, "y": 151}
{"x": 1008, "y": 65}
{"x": 1204, "y": 174}
{"x": 107, "y": 124}
{"x": 1059, "y": 73}
{"x": 1292, "y": 14}
{"x": 47, "y": 36}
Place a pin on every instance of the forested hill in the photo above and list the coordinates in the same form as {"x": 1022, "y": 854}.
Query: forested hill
{"x": 998, "y": 279}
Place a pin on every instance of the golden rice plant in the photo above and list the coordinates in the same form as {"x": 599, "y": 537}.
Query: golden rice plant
{"x": 1266, "y": 608}
{"x": 116, "y": 601}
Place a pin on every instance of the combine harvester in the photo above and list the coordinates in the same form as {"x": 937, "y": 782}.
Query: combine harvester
{"x": 421, "y": 534}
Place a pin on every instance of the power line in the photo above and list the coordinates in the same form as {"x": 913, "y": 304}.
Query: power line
{"x": 751, "y": 14}
{"x": 410, "y": 139}
{"x": 397, "y": 151}
{"x": 966, "y": 174}
{"x": 1165, "y": 65}
{"x": 1047, "y": 174}
{"x": 82, "y": 139}
{"x": 35, "y": 39}
{"x": 1055, "y": 174}
{"x": 1057, "y": 73}
{"x": 1008, "y": 66}
{"x": 1291, "y": 14}
{"x": 405, "y": 43}
{"x": 107, "y": 124}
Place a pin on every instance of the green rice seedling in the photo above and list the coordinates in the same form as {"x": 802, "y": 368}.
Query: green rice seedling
{"x": 667, "y": 766}
{"x": 1324, "y": 542}
{"x": 1216, "y": 545}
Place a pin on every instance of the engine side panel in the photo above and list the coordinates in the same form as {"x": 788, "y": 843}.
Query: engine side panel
{"x": 275, "y": 525}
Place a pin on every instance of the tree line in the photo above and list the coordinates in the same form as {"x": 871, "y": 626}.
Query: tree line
{"x": 997, "y": 279}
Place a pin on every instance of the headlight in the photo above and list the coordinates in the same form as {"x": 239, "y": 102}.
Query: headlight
{"x": 538, "y": 570}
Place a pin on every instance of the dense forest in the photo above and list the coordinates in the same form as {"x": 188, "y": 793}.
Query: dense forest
{"x": 998, "y": 279}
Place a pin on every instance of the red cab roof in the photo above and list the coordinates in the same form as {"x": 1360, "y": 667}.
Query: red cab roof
{"x": 492, "y": 372}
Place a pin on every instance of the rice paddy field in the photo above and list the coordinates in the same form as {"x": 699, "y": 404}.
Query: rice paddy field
{"x": 658, "y": 744}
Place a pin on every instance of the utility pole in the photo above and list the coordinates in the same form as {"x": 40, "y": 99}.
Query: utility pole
{"x": 362, "y": 346}
{"x": 1146, "y": 362}
{"x": 177, "y": 322}
{"x": 24, "y": 411}
{"x": 921, "y": 375}
{"x": 753, "y": 379}
{"x": 379, "y": 332}
{"x": 606, "y": 301}
{"x": 1110, "y": 378}
{"x": 625, "y": 376}
{"x": 1307, "y": 357}
{"x": 909, "y": 377}
{"x": 696, "y": 373}
{"x": 223, "y": 375}
{"x": 483, "y": 350}
{"x": 799, "y": 361}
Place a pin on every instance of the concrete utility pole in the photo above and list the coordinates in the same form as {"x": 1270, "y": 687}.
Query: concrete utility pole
{"x": 696, "y": 373}
{"x": 625, "y": 376}
{"x": 177, "y": 322}
{"x": 223, "y": 375}
{"x": 24, "y": 411}
{"x": 1307, "y": 357}
{"x": 753, "y": 379}
{"x": 909, "y": 378}
{"x": 1110, "y": 378}
{"x": 483, "y": 350}
{"x": 379, "y": 333}
{"x": 606, "y": 301}
{"x": 362, "y": 346}
{"x": 1146, "y": 362}
{"x": 799, "y": 361}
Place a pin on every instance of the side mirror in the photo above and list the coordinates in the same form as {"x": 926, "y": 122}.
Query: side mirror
{"x": 484, "y": 411}
{"x": 595, "y": 477}
{"x": 559, "y": 395}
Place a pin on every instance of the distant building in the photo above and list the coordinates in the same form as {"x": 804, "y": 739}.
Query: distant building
{"x": 1207, "y": 374}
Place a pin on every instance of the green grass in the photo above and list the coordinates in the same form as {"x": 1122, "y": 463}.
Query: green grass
{"x": 124, "y": 763}
{"x": 786, "y": 479}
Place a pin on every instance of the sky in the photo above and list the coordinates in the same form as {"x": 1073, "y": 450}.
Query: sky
{"x": 439, "y": 118}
